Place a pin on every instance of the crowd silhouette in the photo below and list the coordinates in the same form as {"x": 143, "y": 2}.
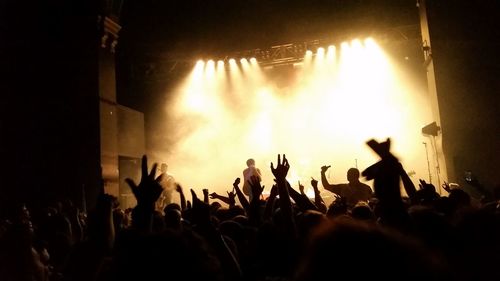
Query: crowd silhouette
{"x": 362, "y": 235}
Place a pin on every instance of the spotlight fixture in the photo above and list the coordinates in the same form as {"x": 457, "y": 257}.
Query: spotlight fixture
{"x": 431, "y": 129}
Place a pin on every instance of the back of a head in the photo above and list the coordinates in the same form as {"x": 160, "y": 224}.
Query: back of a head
{"x": 170, "y": 253}
{"x": 309, "y": 220}
{"x": 232, "y": 229}
{"x": 459, "y": 198}
{"x": 236, "y": 211}
{"x": 353, "y": 174}
{"x": 241, "y": 219}
{"x": 362, "y": 211}
{"x": 214, "y": 206}
{"x": 172, "y": 206}
{"x": 173, "y": 218}
{"x": 337, "y": 208}
{"x": 163, "y": 167}
{"x": 350, "y": 249}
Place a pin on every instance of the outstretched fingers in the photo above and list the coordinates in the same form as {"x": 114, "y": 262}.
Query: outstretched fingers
{"x": 144, "y": 167}
{"x": 285, "y": 162}
{"x": 160, "y": 177}
{"x": 194, "y": 196}
{"x": 281, "y": 168}
{"x": 152, "y": 174}
{"x": 132, "y": 185}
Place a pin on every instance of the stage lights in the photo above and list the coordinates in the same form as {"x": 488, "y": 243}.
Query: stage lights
{"x": 222, "y": 63}
{"x": 300, "y": 53}
{"x": 345, "y": 94}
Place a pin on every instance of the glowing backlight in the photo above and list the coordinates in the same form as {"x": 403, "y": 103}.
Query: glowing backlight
{"x": 320, "y": 114}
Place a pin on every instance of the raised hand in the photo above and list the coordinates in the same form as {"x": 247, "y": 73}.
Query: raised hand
{"x": 200, "y": 210}
{"x": 325, "y": 168}
{"x": 226, "y": 200}
{"x": 318, "y": 201}
{"x": 236, "y": 182}
{"x": 194, "y": 197}
{"x": 232, "y": 201}
{"x": 178, "y": 188}
{"x": 281, "y": 169}
{"x": 280, "y": 173}
{"x": 255, "y": 187}
{"x": 301, "y": 188}
{"x": 314, "y": 183}
{"x": 446, "y": 186}
{"x": 213, "y": 195}
{"x": 424, "y": 185}
{"x": 241, "y": 196}
{"x": 205, "y": 195}
{"x": 149, "y": 188}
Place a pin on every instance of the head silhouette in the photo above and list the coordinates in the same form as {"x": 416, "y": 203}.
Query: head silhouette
{"x": 163, "y": 167}
{"x": 250, "y": 162}
{"x": 353, "y": 175}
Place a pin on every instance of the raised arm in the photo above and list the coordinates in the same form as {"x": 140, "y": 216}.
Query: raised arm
{"x": 146, "y": 193}
{"x": 318, "y": 201}
{"x": 268, "y": 211}
{"x": 280, "y": 173}
{"x": 408, "y": 185}
{"x": 335, "y": 188}
{"x": 178, "y": 188}
{"x": 243, "y": 200}
{"x": 256, "y": 188}
{"x": 205, "y": 196}
{"x": 224, "y": 199}
{"x": 301, "y": 200}
{"x": 386, "y": 174}
{"x": 301, "y": 189}
{"x": 203, "y": 226}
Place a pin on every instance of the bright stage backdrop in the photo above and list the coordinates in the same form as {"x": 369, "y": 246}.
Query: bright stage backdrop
{"x": 319, "y": 112}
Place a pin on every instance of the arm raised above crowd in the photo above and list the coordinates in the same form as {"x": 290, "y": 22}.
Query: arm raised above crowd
{"x": 280, "y": 173}
{"x": 146, "y": 193}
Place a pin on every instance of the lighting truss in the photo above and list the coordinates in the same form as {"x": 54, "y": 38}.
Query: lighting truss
{"x": 279, "y": 54}
{"x": 159, "y": 69}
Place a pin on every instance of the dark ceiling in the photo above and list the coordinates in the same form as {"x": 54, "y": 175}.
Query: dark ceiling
{"x": 213, "y": 26}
